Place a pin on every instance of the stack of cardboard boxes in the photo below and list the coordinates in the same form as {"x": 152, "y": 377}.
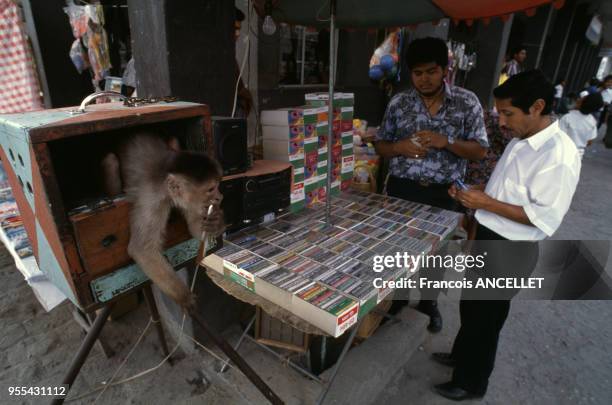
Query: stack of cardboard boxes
{"x": 298, "y": 135}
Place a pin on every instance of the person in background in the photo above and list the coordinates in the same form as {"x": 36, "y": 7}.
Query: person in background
{"x": 525, "y": 200}
{"x": 479, "y": 172}
{"x": 606, "y": 94}
{"x": 580, "y": 124}
{"x": 593, "y": 86}
{"x": 244, "y": 102}
{"x": 558, "y": 95}
{"x": 515, "y": 65}
{"x": 568, "y": 103}
{"x": 429, "y": 133}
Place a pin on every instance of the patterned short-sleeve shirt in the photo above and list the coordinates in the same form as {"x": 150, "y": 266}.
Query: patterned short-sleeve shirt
{"x": 459, "y": 117}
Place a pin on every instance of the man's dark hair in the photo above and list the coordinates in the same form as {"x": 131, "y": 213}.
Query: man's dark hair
{"x": 426, "y": 50}
{"x": 239, "y": 15}
{"x": 609, "y": 77}
{"x": 523, "y": 89}
{"x": 591, "y": 103}
{"x": 517, "y": 49}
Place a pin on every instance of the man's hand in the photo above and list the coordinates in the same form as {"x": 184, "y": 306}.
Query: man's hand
{"x": 430, "y": 139}
{"x": 475, "y": 199}
{"x": 452, "y": 191}
{"x": 409, "y": 149}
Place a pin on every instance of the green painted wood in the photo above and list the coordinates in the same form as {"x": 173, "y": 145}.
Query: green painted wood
{"x": 107, "y": 287}
{"x": 33, "y": 119}
{"x": 47, "y": 263}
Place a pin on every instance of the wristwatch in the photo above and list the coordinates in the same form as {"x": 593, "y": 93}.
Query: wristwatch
{"x": 451, "y": 140}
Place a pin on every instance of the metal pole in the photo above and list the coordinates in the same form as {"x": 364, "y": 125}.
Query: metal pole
{"x": 237, "y": 346}
{"x": 330, "y": 118}
{"x": 345, "y": 350}
{"x": 570, "y": 83}
{"x": 567, "y": 33}
{"x": 236, "y": 359}
{"x": 543, "y": 39}
{"x": 289, "y": 362}
{"x": 81, "y": 356}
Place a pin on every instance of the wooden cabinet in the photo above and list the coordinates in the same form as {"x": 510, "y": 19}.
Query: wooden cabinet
{"x": 79, "y": 235}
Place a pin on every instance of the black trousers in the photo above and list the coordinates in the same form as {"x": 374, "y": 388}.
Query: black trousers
{"x": 435, "y": 195}
{"x": 475, "y": 346}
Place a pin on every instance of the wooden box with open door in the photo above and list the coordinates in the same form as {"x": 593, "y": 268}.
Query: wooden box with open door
{"x": 79, "y": 235}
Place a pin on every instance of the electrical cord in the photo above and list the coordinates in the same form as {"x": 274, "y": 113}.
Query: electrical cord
{"x": 112, "y": 383}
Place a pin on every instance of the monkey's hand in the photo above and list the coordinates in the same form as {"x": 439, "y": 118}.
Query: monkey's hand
{"x": 214, "y": 224}
{"x": 157, "y": 268}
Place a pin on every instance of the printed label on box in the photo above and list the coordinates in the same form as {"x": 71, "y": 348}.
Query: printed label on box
{"x": 297, "y": 156}
{"x": 347, "y": 146}
{"x": 242, "y": 277}
{"x": 297, "y": 193}
{"x": 348, "y": 319}
{"x": 348, "y": 164}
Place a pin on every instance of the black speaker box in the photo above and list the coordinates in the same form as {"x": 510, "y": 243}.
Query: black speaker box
{"x": 230, "y": 144}
{"x": 232, "y": 204}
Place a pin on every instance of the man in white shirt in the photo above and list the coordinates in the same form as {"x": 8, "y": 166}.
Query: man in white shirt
{"x": 526, "y": 198}
{"x": 580, "y": 125}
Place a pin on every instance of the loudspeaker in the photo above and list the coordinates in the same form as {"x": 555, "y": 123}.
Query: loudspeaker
{"x": 230, "y": 144}
{"x": 232, "y": 204}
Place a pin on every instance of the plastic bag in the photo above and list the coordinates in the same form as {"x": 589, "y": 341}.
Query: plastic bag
{"x": 384, "y": 61}
{"x": 79, "y": 56}
{"x": 78, "y": 20}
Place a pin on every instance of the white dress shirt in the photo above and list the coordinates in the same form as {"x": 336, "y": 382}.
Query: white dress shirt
{"x": 540, "y": 174}
{"x": 607, "y": 96}
{"x": 580, "y": 127}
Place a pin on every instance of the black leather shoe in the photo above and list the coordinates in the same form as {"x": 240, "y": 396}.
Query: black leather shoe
{"x": 435, "y": 322}
{"x": 445, "y": 359}
{"x": 435, "y": 318}
{"x": 452, "y": 391}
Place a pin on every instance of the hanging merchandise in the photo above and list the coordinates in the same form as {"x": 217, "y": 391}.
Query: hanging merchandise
{"x": 19, "y": 89}
{"x": 384, "y": 63}
{"x": 87, "y": 24}
{"x": 79, "y": 56}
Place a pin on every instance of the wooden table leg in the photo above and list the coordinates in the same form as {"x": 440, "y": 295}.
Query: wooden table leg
{"x": 84, "y": 350}
{"x": 150, "y": 299}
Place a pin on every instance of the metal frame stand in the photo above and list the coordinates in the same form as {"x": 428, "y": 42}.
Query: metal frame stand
{"x": 93, "y": 335}
{"x": 325, "y": 383}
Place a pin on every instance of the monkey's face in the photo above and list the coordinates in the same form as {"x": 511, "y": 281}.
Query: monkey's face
{"x": 204, "y": 195}
{"x": 193, "y": 196}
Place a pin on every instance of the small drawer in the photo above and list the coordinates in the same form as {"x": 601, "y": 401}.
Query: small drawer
{"x": 102, "y": 236}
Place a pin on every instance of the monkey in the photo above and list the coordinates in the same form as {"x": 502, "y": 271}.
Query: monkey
{"x": 156, "y": 177}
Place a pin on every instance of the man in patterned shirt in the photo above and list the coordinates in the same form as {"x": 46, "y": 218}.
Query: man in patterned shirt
{"x": 429, "y": 133}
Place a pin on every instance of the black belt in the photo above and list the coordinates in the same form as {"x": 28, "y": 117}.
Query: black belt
{"x": 424, "y": 183}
